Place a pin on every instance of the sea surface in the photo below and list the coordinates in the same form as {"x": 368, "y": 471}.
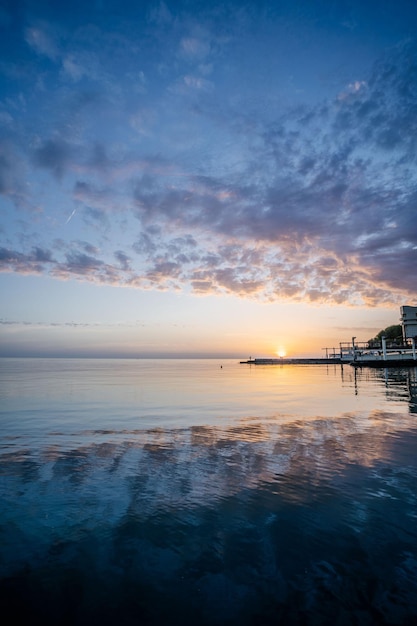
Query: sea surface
{"x": 207, "y": 492}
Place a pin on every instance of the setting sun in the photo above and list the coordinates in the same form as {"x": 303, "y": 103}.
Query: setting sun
{"x": 281, "y": 352}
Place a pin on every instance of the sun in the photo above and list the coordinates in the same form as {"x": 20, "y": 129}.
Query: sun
{"x": 281, "y": 352}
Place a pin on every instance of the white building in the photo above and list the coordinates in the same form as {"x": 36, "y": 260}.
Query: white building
{"x": 409, "y": 321}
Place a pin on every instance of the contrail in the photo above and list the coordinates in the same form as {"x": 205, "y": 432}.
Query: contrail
{"x": 71, "y": 216}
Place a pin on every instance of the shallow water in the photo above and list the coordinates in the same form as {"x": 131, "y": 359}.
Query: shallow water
{"x": 179, "y": 491}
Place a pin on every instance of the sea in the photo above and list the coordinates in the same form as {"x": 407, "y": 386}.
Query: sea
{"x": 207, "y": 492}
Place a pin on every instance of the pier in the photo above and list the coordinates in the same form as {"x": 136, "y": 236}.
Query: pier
{"x": 284, "y": 361}
{"x": 400, "y": 352}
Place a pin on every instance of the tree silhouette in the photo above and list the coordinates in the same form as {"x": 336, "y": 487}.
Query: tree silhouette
{"x": 393, "y": 334}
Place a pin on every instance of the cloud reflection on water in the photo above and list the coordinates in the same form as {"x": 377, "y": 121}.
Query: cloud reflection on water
{"x": 272, "y": 520}
{"x": 202, "y": 465}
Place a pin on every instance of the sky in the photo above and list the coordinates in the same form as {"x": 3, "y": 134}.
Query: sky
{"x": 208, "y": 179}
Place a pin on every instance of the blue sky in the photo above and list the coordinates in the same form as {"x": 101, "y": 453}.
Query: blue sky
{"x": 194, "y": 178}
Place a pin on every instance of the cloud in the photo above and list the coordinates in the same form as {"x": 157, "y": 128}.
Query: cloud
{"x": 93, "y": 197}
{"x": 194, "y": 48}
{"x": 81, "y": 263}
{"x": 160, "y": 13}
{"x": 78, "y": 65}
{"x": 123, "y": 260}
{"x": 6, "y": 168}
{"x": 54, "y": 155}
{"x": 210, "y": 191}
{"x": 197, "y": 82}
{"x": 36, "y": 262}
{"x": 288, "y": 272}
{"x": 352, "y": 89}
{"x": 42, "y": 39}
{"x": 13, "y": 178}
{"x": 54, "y": 324}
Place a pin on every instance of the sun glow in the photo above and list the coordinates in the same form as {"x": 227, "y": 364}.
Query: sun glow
{"x": 281, "y": 352}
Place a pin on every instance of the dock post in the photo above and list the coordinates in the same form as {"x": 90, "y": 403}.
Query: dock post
{"x": 384, "y": 346}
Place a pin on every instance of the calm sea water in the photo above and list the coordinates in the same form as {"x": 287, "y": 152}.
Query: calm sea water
{"x": 207, "y": 492}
